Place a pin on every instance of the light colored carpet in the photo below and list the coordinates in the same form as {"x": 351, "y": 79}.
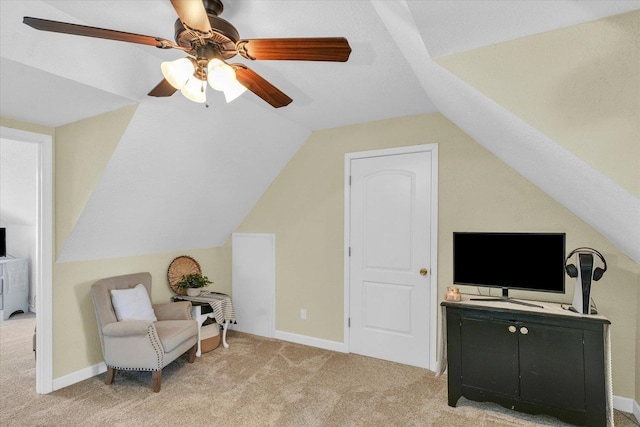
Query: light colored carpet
{"x": 256, "y": 382}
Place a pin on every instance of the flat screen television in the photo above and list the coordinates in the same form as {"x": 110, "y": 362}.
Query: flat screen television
{"x": 523, "y": 261}
{"x": 3, "y": 242}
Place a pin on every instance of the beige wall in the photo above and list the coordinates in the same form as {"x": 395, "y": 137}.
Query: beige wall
{"x": 81, "y": 156}
{"x": 304, "y": 207}
{"x": 81, "y": 151}
{"x": 29, "y": 127}
{"x": 588, "y": 101}
{"x": 74, "y": 325}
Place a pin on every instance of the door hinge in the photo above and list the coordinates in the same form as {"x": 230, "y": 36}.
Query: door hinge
{"x": 349, "y": 322}
{"x": 349, "y": 179}
{"x": 349, "y": 250}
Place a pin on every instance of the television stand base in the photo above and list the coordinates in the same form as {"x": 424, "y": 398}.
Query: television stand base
{"x": 507, "y": 299}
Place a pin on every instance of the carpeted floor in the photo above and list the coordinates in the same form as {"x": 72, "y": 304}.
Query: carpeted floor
{"x": 256, "y": 382}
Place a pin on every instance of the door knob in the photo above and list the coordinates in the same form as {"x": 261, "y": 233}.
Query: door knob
{"x": 512, "y": 329}
{"x": 524, "y": 330}
{"x": 423, "y": 271}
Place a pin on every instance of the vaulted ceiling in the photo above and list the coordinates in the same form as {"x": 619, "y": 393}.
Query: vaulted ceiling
{"x": 224, "y": 156}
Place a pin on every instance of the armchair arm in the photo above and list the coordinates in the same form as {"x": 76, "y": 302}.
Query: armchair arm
{"x": 179, "y": 310}
{"x": 133, "y": 344}
{"x": 127, "y": 329}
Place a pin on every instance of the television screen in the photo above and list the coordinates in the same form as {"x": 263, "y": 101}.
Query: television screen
{"x": 3, "y": 242}
{"x": 527, "y": 261}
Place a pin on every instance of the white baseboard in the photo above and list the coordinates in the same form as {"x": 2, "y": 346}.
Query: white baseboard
{"x": 77, "y": 376}
{"x": 310, "y": 341}
{"x": 623, "y": 404}
{"x": 628, "y": 405}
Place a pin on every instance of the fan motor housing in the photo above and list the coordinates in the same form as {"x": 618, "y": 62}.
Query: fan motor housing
{"x": 224, "y": 37}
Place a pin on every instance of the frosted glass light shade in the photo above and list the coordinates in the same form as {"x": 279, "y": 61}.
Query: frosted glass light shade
{"x": 195, "y": 90}
{"x": 220, "y": 75}
{"x": 234, "y": 90}
{"x": 178, "y": 72}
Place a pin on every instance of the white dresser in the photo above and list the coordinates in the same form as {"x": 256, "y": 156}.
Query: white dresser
{"x": 14, "y": 286}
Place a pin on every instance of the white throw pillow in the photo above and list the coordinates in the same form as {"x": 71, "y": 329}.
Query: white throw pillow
{"x": 132, "y": 304}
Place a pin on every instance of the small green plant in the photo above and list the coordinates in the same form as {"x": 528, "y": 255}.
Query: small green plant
{"x": 193, "y": 280}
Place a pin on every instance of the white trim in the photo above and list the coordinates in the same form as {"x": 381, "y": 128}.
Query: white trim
{"x": 433, "y": 321}
{"x": 80, "y": 375}
{"x": 311, "y": 341}
{"x": 44, "y": 254}
{"x": 628, "y": 405}
{"x": 346, "y": 264}
{"x": 624, "y": 404}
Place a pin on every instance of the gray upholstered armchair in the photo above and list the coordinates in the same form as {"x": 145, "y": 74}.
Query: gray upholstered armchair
{"x": 142, "y": 345}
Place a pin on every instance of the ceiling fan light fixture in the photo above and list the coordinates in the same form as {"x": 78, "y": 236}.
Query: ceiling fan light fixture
{"x": 178, "y": 72}
{"x": 209, "y": 41}
{"x": 195, "y": 90}
{"x": 220, "y": 75}
{"x": 233, "y": 91}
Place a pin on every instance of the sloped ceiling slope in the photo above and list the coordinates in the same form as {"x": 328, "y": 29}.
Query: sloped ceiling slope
{"x": 591, "y": 195}
{"x": 174, "y": 187}
{"x": 588, "y": 102}
{"x": 184, "y": 175}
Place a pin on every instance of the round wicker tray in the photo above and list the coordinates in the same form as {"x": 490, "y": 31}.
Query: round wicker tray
{"x": 179, "y": 267}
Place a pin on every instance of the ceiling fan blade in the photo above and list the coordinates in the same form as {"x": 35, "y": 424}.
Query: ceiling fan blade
{"x": 296, "y": 49}
{"x": 163, "y": 88}
{"x": 193, "y": 14}
{"x": 101, "y": 33}
{"x": 258, "y": 85}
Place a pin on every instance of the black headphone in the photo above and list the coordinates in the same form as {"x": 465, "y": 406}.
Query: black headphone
{"x": 572, "y": 271}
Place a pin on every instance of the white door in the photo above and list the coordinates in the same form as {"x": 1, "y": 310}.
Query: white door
{"x": 253, "y": 282}
{"x": 390, "y": 243}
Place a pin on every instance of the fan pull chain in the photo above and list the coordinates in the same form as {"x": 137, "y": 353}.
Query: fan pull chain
{"x": 205, "y": 71}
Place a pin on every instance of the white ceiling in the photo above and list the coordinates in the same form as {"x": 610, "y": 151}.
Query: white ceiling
{"x": 54, "y": 79}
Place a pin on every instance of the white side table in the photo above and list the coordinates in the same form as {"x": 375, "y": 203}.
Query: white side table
{"x": 200, "y": 317}
{"x": 212, "y": 305}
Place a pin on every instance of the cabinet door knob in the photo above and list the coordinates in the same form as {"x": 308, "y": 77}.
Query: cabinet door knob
{"x": 423, "y": 271}
{"x": 512, "y": 329}
{"x": 524, "y": 330}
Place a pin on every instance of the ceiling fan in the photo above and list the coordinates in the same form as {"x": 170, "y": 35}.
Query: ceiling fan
{"x": 209, "y": 41}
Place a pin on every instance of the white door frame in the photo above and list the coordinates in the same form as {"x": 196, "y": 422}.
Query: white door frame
{"x": 433, "y": 149}
{"x": 44, "y": 254}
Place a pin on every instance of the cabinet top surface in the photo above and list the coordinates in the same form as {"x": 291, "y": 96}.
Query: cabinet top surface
{"x": 543, "y": 309}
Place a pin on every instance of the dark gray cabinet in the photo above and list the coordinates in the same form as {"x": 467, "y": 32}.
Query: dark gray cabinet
{"x": 527, "y": 360}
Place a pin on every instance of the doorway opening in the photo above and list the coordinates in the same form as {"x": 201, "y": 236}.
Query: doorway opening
{"x": 43, "y": 259}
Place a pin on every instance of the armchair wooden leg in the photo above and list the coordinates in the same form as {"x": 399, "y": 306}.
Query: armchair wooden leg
{"x": 192, "y": 353}
{"x": 111, "y": 373}
{"x": 157, "y": 380}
